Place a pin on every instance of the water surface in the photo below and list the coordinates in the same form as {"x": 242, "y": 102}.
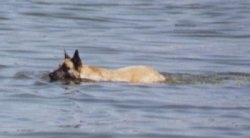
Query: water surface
{"x": 203, "y": 45}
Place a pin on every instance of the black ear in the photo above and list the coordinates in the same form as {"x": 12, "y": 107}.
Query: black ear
{"x": 66, "y": 55}
{"x": 76, "y": 59}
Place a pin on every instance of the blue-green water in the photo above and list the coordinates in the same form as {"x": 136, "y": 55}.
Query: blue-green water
{"x": 202, "y": 44}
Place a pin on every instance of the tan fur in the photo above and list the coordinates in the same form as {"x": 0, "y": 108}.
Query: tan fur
{"x": 72, "y": 68}
{"x": 134, "y": 74}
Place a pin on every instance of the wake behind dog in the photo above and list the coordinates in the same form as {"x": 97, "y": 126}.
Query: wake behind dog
{"x": 74, "y": 69}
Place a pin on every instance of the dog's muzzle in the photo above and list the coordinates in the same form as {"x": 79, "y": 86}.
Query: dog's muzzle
{"x": 56, "y": 75}
{"x": 60, "y": 75}
{"x": 52, "y": 76}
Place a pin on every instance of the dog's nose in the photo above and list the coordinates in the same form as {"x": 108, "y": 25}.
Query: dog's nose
{"x": 51, "y": 75}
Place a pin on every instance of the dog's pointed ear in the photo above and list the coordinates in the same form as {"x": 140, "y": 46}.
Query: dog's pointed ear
{"x": 76, "y": 59}
{"x": 66, "y": 55}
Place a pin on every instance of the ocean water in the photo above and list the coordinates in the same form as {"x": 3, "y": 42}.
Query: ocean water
{"x": 203, "y": 45}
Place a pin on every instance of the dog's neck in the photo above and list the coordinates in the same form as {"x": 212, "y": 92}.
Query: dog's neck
{"x": 95, "y": 74}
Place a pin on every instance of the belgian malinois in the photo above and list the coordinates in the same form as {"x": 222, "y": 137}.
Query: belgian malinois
{"x": 74, "y": 69}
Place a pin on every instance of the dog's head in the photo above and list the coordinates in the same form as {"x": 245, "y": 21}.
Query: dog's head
{"x": 69, "y": 69}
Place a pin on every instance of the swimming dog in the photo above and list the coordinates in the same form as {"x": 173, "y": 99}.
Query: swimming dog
{"x": 74, "y": 69}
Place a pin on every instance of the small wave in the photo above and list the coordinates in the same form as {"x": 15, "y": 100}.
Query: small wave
{"x": 44, "y": 76}
{"x": 39, "y": 78}
{"x": 23, "y": 75}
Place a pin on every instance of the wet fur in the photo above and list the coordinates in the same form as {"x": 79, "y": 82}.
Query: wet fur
{"x": 73, "y": 69}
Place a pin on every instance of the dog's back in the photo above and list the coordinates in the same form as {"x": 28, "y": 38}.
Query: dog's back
{"x": 139, "y": 74}
{"x": 134, "y": 74}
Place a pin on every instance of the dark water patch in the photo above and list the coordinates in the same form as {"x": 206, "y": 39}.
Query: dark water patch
{"x": 194, "y": 33}
{"x": 79, "y": 8}
{"x": 91, "y": 19}
{"x": 3, "y": 66}
{"x": 229, "y": 128}
{"x": 37, "y": 99}
{"x": 24, "y": 99}
{"x": 209, "y": 78}
{"x": 3, "y": 18}
{"x": 41, "y": 83}
{"x": 136, "y": 105}
{"x": 90, "y": 99}
{"x": 21, "y": 51}
{"x": 26, "y": 95}
{"x": 100, "y": 50}
{"x": 7, "y": 29}
{"x": 79, "y": 4}
{"x": 46, "y": 3}
{"x": 206, "y": 34}
{"x": 29, "y": 97}
{"x": 241, "y": 62}
{"x": 67, "y": 16}
{"x": 36, "y": 14}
